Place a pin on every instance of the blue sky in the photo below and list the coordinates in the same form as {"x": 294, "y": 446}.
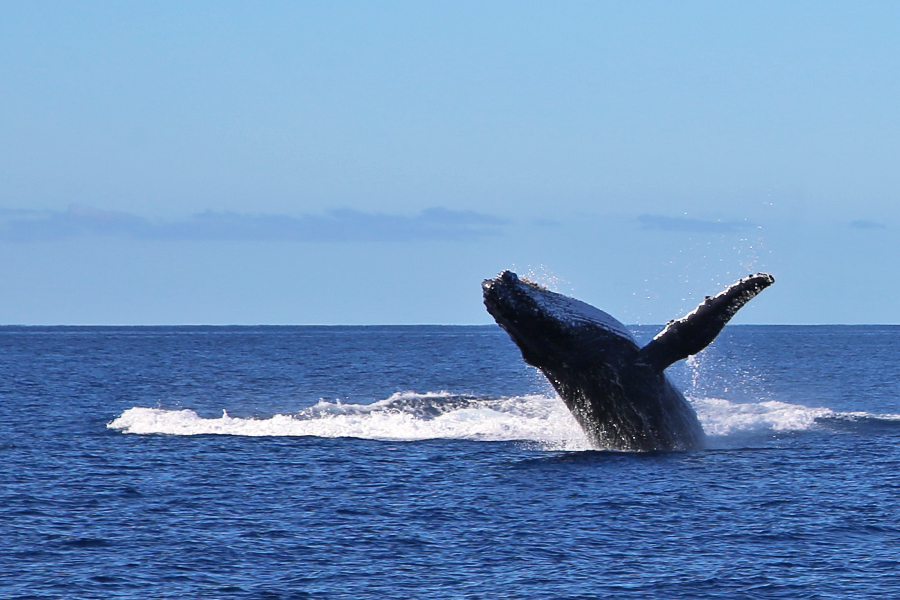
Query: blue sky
{"x": 372, "y": 162}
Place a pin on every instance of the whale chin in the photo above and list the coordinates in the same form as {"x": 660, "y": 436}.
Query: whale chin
{"x": 617, "y": 391}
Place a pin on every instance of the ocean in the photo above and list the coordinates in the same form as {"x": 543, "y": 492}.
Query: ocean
{"x": 431, "y": 462}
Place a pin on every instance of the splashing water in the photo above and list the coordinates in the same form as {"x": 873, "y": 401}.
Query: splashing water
{"x": 694, "y": 365}
{"x": 723, "y": 418}
{"x": 409, "y": 416}
{"x": 403, "y": 416}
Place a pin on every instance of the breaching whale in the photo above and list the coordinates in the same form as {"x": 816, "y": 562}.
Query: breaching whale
{"x": 617, "y": 391}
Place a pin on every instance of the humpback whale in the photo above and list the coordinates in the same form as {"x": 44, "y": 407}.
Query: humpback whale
{"x": 616, "y": 390}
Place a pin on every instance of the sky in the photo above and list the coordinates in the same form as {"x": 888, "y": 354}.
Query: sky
{"x": 373, "y": 162}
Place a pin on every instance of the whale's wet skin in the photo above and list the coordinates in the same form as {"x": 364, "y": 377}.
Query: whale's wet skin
{"x": 617, "y": 391}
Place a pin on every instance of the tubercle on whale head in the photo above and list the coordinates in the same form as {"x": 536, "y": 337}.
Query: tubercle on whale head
{"x": 503, "y": 295}
{"x": 508, "y": 295}
{"x": 506, "y": 291}
{"x": 513, "y": 302}
{"x": 509, "y": 279}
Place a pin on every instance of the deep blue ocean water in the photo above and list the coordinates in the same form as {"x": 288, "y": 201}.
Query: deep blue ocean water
{"x": 431, "y": 462}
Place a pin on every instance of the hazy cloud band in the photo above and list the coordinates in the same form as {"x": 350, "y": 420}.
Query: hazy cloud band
{"x": 341, "y": 225}
{"x": 685, "y": 224}
{"x": 866, "y": 224}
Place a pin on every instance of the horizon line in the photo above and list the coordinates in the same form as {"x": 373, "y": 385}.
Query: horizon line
{"x": 210, "y": 325}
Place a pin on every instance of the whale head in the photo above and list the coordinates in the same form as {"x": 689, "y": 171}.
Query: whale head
{"x": 544, "y": 324}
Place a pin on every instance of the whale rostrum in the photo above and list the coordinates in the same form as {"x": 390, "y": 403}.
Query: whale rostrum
{"x": 617, "y": 391}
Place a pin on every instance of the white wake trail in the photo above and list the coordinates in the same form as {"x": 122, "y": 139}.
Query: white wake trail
{"x": 404, "y": 416}
{"x": 440, "y": 415}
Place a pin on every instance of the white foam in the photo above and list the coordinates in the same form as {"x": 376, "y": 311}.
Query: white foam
{"x": 532, "y": 418}
{"x": 410, "y": 416}
{"x": 720, "y": 417}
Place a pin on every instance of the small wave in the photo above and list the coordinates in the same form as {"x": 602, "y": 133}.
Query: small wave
{"x": 721, "y": 418}
{"x": 862, "y": 421}
{"x": 403, "y": 416}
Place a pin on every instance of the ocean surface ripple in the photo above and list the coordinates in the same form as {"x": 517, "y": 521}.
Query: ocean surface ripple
{"x": 430, "y": 462}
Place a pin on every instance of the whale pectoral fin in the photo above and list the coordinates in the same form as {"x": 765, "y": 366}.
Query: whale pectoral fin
{"x": 695, "y": 331}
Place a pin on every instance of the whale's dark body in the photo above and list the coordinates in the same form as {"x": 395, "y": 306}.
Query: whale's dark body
{"x": 616, "y": 390}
